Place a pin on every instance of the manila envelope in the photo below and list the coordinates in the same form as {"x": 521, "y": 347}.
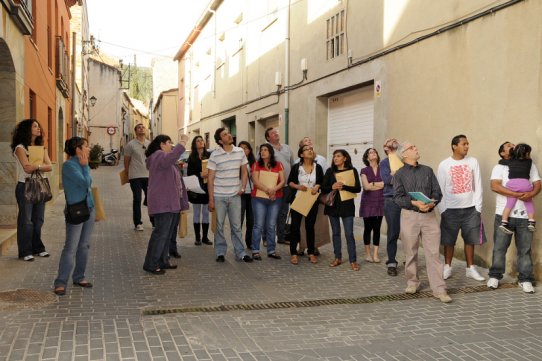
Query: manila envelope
{"x": 36, "y": 154}
{"x": 123, "y": 177}
{"x": 395, "y": 162}
{"x": 304, "y": 201}
{"x": 204, "y": 168}
{"x": 346, "y": 178}
{"x": 268, "y": 179}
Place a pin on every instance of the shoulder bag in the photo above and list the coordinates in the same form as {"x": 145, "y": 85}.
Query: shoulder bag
{"x": 77, "y": 213}
{"x": 37, "y": 188}
{"x": 327, "y": 199}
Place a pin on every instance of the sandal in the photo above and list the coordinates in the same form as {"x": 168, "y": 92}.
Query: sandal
{"x": 60, "y": 291}
{"x": 355, "y": 266}
{"x": 336, "y": 262}
{"x": 256, "y": 256}
{"x": 294, "y": 260}
{"x": 84, "y": 284}
{"x": 274, "y": 256}
{"x": 313, "y": 259}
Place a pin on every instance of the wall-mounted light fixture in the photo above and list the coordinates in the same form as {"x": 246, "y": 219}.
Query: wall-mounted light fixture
{"x": 89, "y": 46}
{"x": 93, "y": 100}
{"x": 304, "y": 68}
{"x": 278, "y": 79}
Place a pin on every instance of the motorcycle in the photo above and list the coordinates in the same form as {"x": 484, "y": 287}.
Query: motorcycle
{"x": 111, "y": 158}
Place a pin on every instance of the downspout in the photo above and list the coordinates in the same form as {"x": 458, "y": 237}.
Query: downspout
{"x": 287, "y": 78}
{"x": 74, "y": 49}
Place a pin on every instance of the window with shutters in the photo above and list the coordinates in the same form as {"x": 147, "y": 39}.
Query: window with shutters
{"x": 335, "y": 28}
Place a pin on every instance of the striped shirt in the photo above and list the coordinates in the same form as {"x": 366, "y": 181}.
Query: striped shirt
{"x": 419, "y": 178}
{"x": 227, "y": 169}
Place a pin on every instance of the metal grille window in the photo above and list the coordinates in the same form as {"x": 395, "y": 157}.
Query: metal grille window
{"x": 335, "y": 35}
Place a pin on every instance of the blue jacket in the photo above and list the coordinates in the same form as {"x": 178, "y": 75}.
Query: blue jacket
{"x": 77, "y": 182}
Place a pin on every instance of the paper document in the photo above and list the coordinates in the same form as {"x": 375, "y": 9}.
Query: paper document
{"x": 36, "y": 154}
{"x": 268, "y": 179}
{"x": 304, "y": 201}
{"x": 123, "y": 177}
{"x": 419, "y": 196}
{"x": 347, "y": 178}
{"x": 192, "y": 184}
{"x": 204, "y": 168}
{"x": 395, "y": 162}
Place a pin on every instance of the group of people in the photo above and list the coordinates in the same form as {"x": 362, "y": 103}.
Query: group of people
{"x": 259, "y": 188}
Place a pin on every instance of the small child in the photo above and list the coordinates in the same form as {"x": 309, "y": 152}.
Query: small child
{"x": 519, "y": 168}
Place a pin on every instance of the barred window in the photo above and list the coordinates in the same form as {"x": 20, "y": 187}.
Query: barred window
{"x": 335, "y": 35}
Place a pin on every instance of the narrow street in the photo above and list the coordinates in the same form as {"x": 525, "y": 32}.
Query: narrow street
{"x": 268, "y": 310}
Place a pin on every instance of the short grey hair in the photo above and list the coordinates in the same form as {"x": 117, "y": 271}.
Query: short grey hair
{"x": 401, "y": 148}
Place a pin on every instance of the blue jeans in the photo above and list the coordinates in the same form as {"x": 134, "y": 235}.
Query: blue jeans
{"x": 137, "y": 185}
{"x": 75, "y": 253}
{"x": 201, "y": 213}
{"x": 157, "y": 250}
{"x": 232, "y": 207}
{"x": 29, "y": 222}
{"x": 266, "y": 213}
{"x": 348, "y": 224}
{"x": 502, "y": 241}
{"x": 392, "y": 212}
{"x": 173, "y": 235}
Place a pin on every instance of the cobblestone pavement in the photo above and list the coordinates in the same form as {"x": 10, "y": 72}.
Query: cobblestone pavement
{"x": 110, "y": 321}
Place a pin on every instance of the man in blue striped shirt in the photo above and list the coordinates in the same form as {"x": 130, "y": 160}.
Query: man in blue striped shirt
{"x": 225, "y": 190}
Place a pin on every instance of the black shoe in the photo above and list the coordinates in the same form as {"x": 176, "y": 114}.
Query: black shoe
{"x": 220, "y": 259}
{"x": 316, "y": 252}
{"x": 282, "y": 241}
{"x": 175, "y": 254}
{"x": 170, "y": 266}
{"x": 247, "y": 259}
{"x": 197, "y": 243}
{"x": 273, "y": 255}
{"x": 207, "y": 242}
{"x": 157, "y": 271}
{"x": 392, "y": 271}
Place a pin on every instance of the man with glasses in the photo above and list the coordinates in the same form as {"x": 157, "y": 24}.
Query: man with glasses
{"x": 134, "y": 166}
{"x": 517, "y": 222}
{"x": 418, "y": 221}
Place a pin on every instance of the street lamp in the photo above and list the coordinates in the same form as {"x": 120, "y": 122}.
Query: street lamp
{"x": 93, "y": 101}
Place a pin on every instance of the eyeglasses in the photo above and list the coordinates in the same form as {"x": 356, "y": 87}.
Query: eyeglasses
{"x": 408, "y": 148}
{"x": 305, "y": 149}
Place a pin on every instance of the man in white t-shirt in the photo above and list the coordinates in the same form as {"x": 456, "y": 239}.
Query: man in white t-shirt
{"x": 517, "y": 222}
{"x": 461, "y": 206}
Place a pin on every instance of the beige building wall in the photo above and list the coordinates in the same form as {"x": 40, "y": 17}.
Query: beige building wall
{"x": 12, "y": 49}
{"x": 165, "y": 114}
{"x": 445, "y": 67}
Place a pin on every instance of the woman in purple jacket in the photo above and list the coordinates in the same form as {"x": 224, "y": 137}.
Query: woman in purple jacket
{"x": 164, "y": 195}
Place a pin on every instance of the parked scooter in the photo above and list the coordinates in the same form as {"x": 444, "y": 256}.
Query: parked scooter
{"x": 111, "y": 158}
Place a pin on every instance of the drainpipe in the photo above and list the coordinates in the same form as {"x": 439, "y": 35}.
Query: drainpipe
{"x": 287, "y": 78}
{"x": 74, "y": 53}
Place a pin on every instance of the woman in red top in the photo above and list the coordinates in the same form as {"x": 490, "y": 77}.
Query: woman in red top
{"x": 266, "y": 203}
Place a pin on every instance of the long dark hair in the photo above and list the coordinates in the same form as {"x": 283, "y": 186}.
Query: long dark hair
{"x": 347, "y": 162}
{"x": 272, "y": 161}
{"x": 22, "y": 134}
{"x": 71, "y": 145}
{"x": 194, "y": 155}
{"x": 250, "y": 156}
{"x": 155, "y": 144}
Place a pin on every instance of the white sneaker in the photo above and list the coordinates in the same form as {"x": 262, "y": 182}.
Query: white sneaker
{"x": 28, "y": 258}
{"x": 527, "y": 287}
{"x": 43, "y": 254}
{"x": 139, "y": 227}
{"x": 472, "y": 272}
{"x": 411, "y": 290}
{"x": 447, "y": 271}
{"x": 493, "y": 283}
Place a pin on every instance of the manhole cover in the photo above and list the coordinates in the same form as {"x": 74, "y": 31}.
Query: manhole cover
{"x": 25, "y": 298}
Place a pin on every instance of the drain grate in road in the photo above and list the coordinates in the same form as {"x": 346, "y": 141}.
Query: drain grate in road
{"x": 316, "y": 303}
{"x": 25, "y": 298}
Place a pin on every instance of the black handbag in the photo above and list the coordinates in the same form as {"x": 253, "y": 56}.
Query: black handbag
{"x": 37, "y": 188}
{"x": 288, "y": 228}
{"x": 77, "y": 213}
{"x": 327, "y": 199}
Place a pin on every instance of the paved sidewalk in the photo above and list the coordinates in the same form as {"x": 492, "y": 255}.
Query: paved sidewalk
{"x": 132, "y": 315}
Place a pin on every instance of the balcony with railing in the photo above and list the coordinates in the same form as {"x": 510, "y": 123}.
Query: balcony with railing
{"x": 62, "y": 68}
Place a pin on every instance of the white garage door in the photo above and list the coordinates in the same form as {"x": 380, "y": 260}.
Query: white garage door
{"x": 351, "y": 125}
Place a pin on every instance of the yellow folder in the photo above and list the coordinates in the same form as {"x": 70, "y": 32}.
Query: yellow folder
{"x": 36, "y": 154}
{"x": 303, "y": 202}
{"x": 268, "y": 179}
{"x": 346, "y": 178}
{"x": 395, "y": 162}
